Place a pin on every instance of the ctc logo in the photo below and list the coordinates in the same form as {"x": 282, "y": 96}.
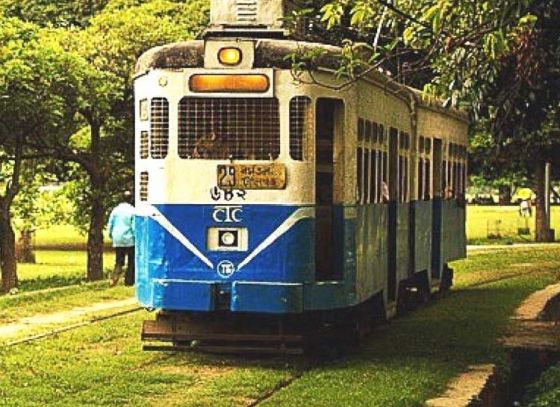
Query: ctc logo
{"x": 227, "y": 214}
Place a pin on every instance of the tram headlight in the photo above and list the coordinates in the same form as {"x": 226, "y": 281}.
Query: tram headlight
{"x": 228, "y": 238}
{"x": 230, "y": 56}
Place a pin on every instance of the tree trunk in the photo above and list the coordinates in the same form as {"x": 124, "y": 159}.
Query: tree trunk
{"x": 95, "y": 234}
{"x": 97, "y": 219}
{"x": 504, "y": 192}
{"x": 8, "y": 262}
{"x": 542, "y": 222}
{"x": 24, "y": 249}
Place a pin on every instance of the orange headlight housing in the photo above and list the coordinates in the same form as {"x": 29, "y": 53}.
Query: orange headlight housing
{"x": 224, "y": 83}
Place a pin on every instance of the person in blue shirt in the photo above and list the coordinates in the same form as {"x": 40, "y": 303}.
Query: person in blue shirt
{"x": 121, "y": 232}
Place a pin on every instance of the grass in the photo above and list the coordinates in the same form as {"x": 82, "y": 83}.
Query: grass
{"x": 546, "y": 391}
{"x": 103, "y": 365}
{"x": 504, "y": 222}
{"x": 404, "y": 363}
{"x": 60, "y": 236}
{"x": 57, "y": 268}
{"x": 414, "y": 357}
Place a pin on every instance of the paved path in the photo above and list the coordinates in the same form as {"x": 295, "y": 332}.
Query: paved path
{"x": 34, "y": 323}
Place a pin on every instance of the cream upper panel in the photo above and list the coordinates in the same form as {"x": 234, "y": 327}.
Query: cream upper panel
{"x": 383, "y": 107}
{"x": 178, "y": 180}
{"x": 434, "y": 124}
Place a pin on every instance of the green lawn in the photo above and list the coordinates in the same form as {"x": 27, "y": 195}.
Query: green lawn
{"x": 55, "y": 268}
{"x": 404, "y": 362}
{"x": 412, "y": 359}
{"x": 503, "y": 220}
{"x": 62, "y": 237}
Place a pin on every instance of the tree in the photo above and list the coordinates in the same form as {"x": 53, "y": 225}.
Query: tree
{"x": 62, "y": 13}
{"x": 498, "y": 59}
{"x": 103, "y": 148}
{"x": 32, "y": 76}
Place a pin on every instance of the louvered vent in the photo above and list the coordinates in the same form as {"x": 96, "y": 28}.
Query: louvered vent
{"x": 144, "y": 144}
{"x": 144, "y": 186}
{"x": 301, "y": 126}
{"x": 247, "y": 11}
{"x": 159, "y": 127}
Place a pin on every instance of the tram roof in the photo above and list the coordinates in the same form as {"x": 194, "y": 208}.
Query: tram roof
{"x": 272, "y": 53}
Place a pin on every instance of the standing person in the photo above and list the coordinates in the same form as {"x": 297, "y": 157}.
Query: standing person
{"x": 121, "y": 232}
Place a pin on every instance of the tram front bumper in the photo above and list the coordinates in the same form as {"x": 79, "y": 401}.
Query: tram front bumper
{"x": 241, "y": 296}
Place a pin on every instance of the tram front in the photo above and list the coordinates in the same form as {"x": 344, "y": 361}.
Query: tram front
{"x": 225, "y": 183}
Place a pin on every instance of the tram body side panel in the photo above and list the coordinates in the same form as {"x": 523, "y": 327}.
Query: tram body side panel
{"x": 422, "y": 235}
{"x": 447, "y": 215}
{"x": 372, "y": 233}
{"x": 453, "y": 231}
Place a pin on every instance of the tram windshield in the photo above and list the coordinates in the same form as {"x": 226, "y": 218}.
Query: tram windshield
{"x": 229, "y": 128}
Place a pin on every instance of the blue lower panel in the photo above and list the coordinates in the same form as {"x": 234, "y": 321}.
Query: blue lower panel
{"x": 183, "y": 295}
{"x": 267, "y": 297}
{"x": 328, "y": 295}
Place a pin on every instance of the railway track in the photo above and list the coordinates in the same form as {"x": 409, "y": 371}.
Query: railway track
{"x": 97, "y": 319}
{"x": 71, "y": 327}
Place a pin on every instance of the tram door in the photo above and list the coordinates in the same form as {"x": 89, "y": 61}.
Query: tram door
{"x": 392, "y": 214}
{"x": 437, "y": 207}
{"x": 328, "y": 145}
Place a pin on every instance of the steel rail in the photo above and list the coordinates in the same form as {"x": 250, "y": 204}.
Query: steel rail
{"x": 71, "y": 327}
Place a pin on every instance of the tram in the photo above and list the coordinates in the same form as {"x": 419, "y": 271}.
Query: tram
{"x": 263, "y": 198}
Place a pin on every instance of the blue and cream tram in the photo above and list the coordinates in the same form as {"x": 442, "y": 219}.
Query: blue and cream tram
{"x": 261, "y": 195}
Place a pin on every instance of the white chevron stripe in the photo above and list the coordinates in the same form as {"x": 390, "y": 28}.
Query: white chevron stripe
{"x": 295, "y": 217}
{"x": 156, "y": 215}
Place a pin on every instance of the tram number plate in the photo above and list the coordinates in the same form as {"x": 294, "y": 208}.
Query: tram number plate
{"x": 252, "y": 176}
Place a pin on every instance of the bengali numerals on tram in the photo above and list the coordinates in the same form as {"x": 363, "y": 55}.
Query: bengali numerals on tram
{"x": 252, "y": 176}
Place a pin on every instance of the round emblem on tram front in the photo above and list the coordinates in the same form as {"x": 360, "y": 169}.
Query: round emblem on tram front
{"x": 225, "y": 268}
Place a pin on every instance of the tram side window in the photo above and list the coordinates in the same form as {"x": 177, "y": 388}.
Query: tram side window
{"x": 420, "y": 179}
{"x": 159, "y": 128}
{"x": 403, "y": 179}
{"x": 385, "y": 178}
{"x": 229, "y": 128}
{"x": 373, "y": 177}
{"x": 360, "y": 175}
{"x": 361, "y": 125}
{"x": 464, "y": 179}
{"x": 457, "y": 176}
{"x": 301, "y": 126}
{"x": 427, "y": 180}
{"x": 444, "y": 187}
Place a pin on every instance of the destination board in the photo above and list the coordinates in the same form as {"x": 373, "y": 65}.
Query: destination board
{"x": 252, "y": 176}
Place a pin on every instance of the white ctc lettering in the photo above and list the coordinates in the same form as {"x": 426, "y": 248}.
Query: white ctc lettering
{"x": 227, "y": 214}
